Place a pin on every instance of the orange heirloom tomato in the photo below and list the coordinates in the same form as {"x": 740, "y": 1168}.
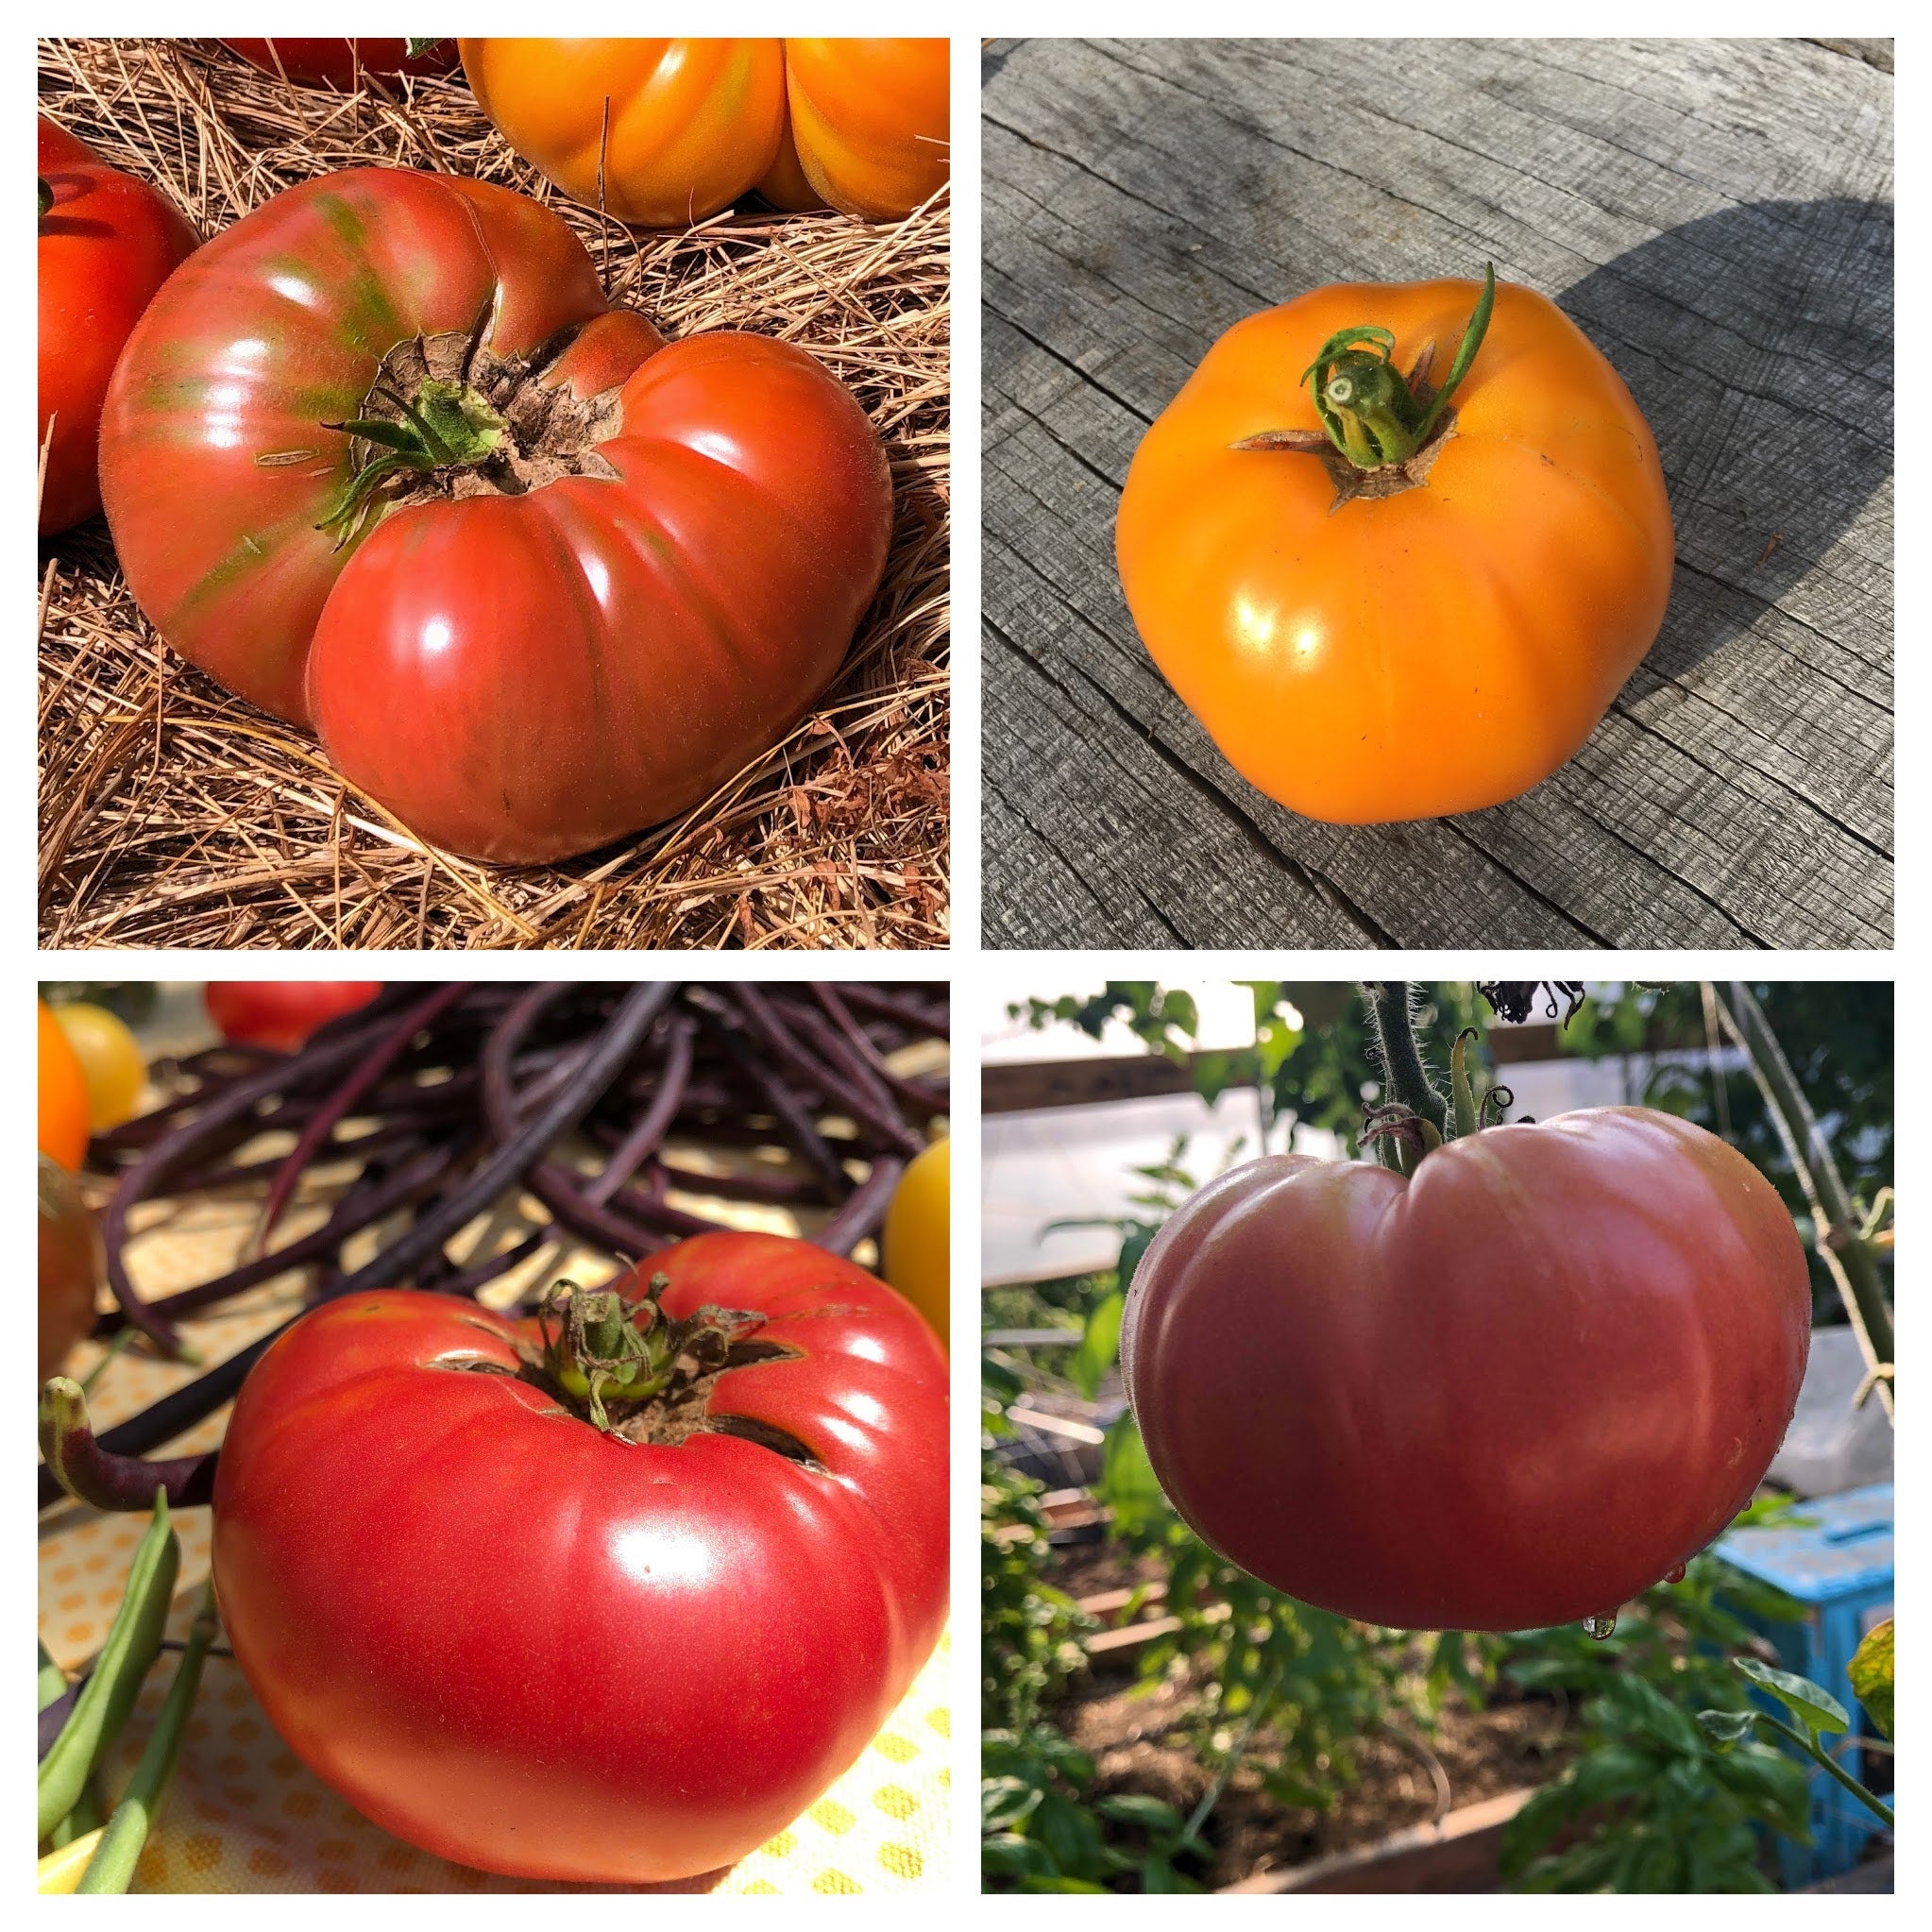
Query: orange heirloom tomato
{"x": 869, "y": 121}
{"x": 665, "y": 132}
{"x": 1380, "y": 611}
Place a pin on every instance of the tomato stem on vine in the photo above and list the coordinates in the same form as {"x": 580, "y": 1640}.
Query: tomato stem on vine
{"x": 1392, "y": 1032}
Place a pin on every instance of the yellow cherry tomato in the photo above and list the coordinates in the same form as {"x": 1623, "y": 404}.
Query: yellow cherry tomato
{"x": 915, "y": 1241}
{"x": 63, "y": 1095}
{"x": 111, "y": 1062}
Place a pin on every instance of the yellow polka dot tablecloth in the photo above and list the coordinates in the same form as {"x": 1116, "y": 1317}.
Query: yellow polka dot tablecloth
{"x": 243, "y": 1815}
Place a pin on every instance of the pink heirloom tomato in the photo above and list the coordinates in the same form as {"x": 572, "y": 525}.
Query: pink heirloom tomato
{"x": 1516, "y": 1390}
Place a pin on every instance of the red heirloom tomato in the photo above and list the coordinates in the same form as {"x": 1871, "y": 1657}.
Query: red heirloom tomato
{"x": 529, "y": 1645}
{"x": 384, "y": 460}
{"x": 1514, "y": 1391}
{"x": 1378, "y": 613}
{"x": 343, "y": 63}
{"x": 106, "y": 242}
{"x": 663, "y": 132}
{"x": 281, "y": 1013}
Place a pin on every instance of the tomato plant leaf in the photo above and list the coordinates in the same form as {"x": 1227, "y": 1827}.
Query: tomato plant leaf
{"x": 1814, "y": 1706}
{"x": 1099, "y": 1346}
{"x": 1127, "y": 1485}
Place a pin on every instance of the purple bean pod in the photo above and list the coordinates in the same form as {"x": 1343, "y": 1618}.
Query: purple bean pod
{"x": 865, "y": 1209}
{"x": 324, "y": 1121}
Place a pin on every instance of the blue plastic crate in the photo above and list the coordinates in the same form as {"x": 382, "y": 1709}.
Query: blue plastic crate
{"x": 1839, "y": 1566}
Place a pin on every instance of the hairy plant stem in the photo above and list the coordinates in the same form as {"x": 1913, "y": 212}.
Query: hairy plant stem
{"x": 1392, "y": 1031}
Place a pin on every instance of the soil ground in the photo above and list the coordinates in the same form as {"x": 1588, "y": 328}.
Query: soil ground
{"x": 1140, "y": 1740}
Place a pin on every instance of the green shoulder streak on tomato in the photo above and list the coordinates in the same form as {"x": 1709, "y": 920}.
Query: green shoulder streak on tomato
{"x": 368, "y": 321}
{"x": 249, "y": 554}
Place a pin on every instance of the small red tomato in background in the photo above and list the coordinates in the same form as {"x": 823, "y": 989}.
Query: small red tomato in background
{"x": 1514, "y": 1391}
{"x": 524, "y": 1642}
{"x": 342, "y": 63}
{"x": 282, "y": 1013}
{"x": 107, "y": 241}
{"x": 63, "y": 1094}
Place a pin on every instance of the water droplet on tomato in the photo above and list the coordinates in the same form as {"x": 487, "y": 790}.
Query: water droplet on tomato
{"x": 1674, "y": 1574}
{"x": 1600, "y": 1627}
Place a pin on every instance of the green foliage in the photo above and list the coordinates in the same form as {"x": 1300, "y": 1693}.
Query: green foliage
{"x": 1046, "y": 1304}
{"x": 1041, "y": 1831}
{"x": 1838, "y": 1036}
{"x": 1041, "y": 1828}
{"x": 1819, "y": 1715}
{"x": 1029, "y": 1641}
{"x": 1654, "y": 1802}
{"x": 1311, "y": 1049}
{"x": 1162, "y": 1017}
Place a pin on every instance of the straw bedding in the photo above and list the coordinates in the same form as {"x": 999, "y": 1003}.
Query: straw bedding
{"x": 172, "y": 814}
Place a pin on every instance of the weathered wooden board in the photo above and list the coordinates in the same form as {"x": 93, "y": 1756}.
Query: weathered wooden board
{"x": 1715, "y": 214}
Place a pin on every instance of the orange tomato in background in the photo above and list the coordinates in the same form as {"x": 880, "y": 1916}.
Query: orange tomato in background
{"x": 1415, "y": 654}
{"x": 870, "y": 122}
{"x": 858, "y": 125}
{"x": 63, "y": 1094}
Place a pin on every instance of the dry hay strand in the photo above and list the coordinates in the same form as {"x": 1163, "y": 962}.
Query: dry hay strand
{"x": 172, "y": 814}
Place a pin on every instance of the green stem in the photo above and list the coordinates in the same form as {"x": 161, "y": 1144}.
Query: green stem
{"x": 1392, "y": 1026}
{"x": 1852, "y": 1262}
{"x": 1462, "y": 1092}
{"x": 1212, "y": 1796}
{"x": 1824, "y": 1758}
{"x": 1465, "y": 354}
{"x": 132, "y": 1643}
{"x": 112, "y": 1868}
{"x": 1366, "y": 406}
{"x": 107, "y": 1354}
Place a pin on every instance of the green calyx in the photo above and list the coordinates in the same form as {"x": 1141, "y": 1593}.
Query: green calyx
{"x": 614, "y": 1356}
{"x": 1372, "y": 415}
{"x": 445, "y": 425}
{"x": 1418, "y": 1119}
